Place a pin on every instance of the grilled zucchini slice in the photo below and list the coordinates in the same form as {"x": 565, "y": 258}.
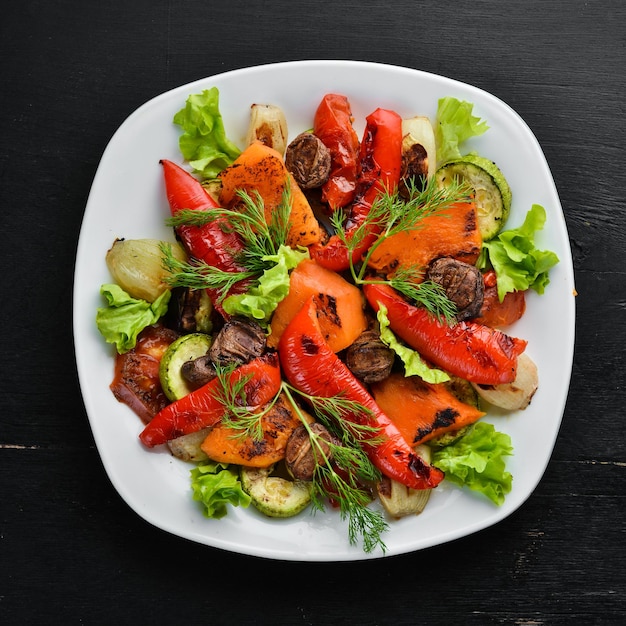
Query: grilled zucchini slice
{"x": 492, "y": 193}
{"x": 185, "y": 348}
{"x": 272, "y": 495}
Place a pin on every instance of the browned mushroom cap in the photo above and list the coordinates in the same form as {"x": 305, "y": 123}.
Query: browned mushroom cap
{"x": 238, "y": 342}
{"x": 301, "y": 457}
{"x": 463, "y": 284}
{"x": 369, "y": 359}
{"x": 199, "y": 371}
{"x": 308, "y": 160}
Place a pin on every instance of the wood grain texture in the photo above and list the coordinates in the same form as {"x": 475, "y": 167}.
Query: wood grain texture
{"x": 70, "y": 550}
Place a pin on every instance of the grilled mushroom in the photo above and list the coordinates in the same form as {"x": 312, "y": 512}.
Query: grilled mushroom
{"x": 462, "y": 282}
{"x": 199, "y": 371}
{"x": 308, "y": 160}
{"x": 369, "y": 359}
{"x": 300, "y": 455}
{"x": 239, "y": 341}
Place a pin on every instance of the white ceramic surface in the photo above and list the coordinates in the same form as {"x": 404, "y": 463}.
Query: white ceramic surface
{"x": 127, "y": 200}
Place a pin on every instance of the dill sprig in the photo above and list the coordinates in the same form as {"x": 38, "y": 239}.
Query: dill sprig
{"x": 345, "y": 451}
{"x": 397, "y": 214}
{"x": 232, "y": 393}
{"x": 427, "y": 294}
{"x": 391, "y": 214}
{"x": 260, "y": 238}
{"x": 333, "y": 412}
{"x": 197, "y": 274}
{"x": 363, "y": 522}
{"x": 348, "y": 454}
{"x": 239, "y": 416}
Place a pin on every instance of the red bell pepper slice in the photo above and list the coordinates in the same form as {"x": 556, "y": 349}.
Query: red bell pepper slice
{"x": 380, "y": 165}
{"x": 472, "y": 351}
{"x": 214, "y": 243}
{"x": 312, "y": 367}
{"x": 332, "y": 124}
{"x": 203, "y": 408}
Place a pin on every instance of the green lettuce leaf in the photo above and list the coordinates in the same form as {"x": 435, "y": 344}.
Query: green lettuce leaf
{"x": 455, "y": 124}
{"x": 204, "y": 142}
{"x": 414, "y": 365}
{"x": 516, "y": 261}
{"x": 125, "y": 317}
{"x": 477, "y": 461}
{"x": 215, "y": 485}
{"x": 260, "y": 301}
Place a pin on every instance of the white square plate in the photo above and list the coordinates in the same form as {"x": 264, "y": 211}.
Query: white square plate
{"x": 128, "y": 200}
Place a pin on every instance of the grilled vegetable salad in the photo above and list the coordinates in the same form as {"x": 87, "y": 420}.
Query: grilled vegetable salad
{"x": 329, "y": 327}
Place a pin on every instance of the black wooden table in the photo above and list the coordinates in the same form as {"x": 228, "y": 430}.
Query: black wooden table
{"x": 71, "y": 551}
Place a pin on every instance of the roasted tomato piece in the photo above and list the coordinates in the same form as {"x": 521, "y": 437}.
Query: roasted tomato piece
{"x": 498, "y": 314}
{"x": 136, "y": 381}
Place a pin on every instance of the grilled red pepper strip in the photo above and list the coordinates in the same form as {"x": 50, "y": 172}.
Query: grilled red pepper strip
{"x": 203, "y": 408}
{"x": 212, "y": 243}
{"x": 380, "y": 164}
{"x": 313, "y": 368}
{"x": 469, "y": 350}
{"x": 332, "y": 125}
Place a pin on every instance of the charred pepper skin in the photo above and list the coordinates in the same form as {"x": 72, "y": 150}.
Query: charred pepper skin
{"x": 212, "y": 243}
{"x": 312, "y": 367}
{"x": 380, "y": 164}
{"x": 472, "y": 351}
{"x": 203, "y": 407}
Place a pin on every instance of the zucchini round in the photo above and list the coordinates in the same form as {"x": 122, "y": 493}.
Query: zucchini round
{"x": 492, "y": 193}
{"x": 185, "y": 348}
{"x": 274, "y": 496}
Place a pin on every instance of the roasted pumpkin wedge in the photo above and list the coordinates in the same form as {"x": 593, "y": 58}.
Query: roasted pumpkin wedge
{"x": 228, "y": 445}
{"x": 340, "y": 305}
{"x": 261, "y": 169}
{"x": 421, "y": 410}
{"x": 449, "y": 233}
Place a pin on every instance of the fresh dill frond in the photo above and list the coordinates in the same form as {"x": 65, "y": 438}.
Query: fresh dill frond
{"x": 336, "y": 409}
{"x": 246, "y": 421}
{"x": 427, "y": 294}
{"x": 259, "y": 237}
{"x": 351, "y": 456}
{"x": 248, "y": 221}
{"x": 189, "y": 217}
{"x": 364, "y": 523}
{"x": 243, "y": 420}
{"x": 199, "y": 275}
{"x": 399, "y": 214}
{"x": 232, "y": 392}
{"x": 393, "y": 213}
{"x": 278, "y": 226}
{"x": 335, "y": 413}
{"x": 347, "y": 453}
{"x": 337, "y": 220}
